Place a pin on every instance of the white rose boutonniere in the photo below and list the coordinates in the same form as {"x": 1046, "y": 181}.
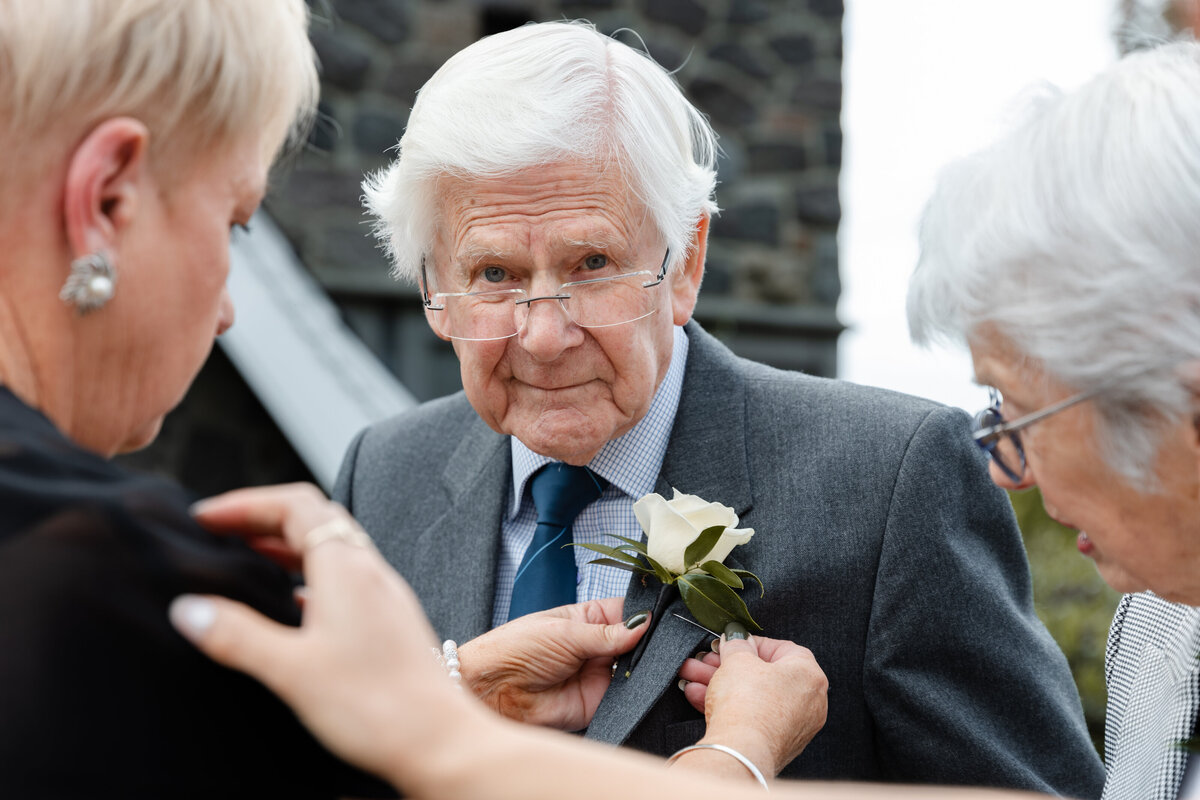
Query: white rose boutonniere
{"x": 672, "y": 526}
{"x": 687, "y": 540}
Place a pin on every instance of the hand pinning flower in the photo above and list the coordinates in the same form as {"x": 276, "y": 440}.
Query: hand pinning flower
{"x": 687, "y": 540}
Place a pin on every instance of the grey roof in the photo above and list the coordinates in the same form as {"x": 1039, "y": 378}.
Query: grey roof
{"x": 317, "y": 380}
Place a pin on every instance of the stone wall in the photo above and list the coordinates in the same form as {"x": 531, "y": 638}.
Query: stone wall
{"x": 767, "y": 73}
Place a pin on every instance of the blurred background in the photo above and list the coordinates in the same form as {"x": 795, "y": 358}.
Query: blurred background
{"x": 834, "y": 119}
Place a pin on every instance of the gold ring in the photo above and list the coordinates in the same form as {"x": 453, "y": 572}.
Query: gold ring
{"x": 340, "y": 529}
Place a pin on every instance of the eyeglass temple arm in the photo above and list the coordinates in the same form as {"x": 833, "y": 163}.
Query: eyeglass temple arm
{"x": 662, "y": 271}
{"x": 425, "y": 299}
{"x": 988, "y": 434}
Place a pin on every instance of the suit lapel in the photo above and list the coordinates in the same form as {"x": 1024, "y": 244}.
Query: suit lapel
{"x": 452, "y": 563}
{"x": 707, "y": 457}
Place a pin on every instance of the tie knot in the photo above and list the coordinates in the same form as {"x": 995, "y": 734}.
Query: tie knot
{"x": 560, "y": 491}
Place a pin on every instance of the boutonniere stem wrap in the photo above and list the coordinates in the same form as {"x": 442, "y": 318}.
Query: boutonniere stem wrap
{"x": 687, "y": 541}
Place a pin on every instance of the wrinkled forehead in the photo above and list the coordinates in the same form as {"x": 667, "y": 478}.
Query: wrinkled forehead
{"x": 542, "y": 209}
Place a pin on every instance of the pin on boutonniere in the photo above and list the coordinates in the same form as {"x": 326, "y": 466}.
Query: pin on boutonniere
{"x": 687, "y": 540}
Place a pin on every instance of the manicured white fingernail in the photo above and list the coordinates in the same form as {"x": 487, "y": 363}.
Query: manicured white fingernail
{"x": 192, "y": 615}
{"x": 682, "y": 684}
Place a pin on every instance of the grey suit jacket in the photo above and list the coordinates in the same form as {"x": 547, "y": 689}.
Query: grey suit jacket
{"x": 883, "y": 545}
{"x": 1153, "y": 677}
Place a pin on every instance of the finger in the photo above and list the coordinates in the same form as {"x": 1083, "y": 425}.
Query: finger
{"x": 732, "y": 649}
{"x": 695, "y": 693}
{"x": 695, "y": 671}
{"x": 237, "y": 636}
{"x": 606, "y": 611}
{"x": 261, "y": 511}
{"x": 591, "y": 641}
{"x": 779, "y": 649}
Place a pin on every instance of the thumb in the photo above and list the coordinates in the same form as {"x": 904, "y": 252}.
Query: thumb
{"x": 235, "y": 635}
{"x": 609, "y": 640}
{"x": 737, "y": 648}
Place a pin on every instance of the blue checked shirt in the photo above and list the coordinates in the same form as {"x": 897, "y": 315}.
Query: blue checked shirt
{"x": 630, "y": 464}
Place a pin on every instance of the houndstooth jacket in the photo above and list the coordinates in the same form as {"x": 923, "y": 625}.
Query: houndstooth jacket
{"x": 1153, "y": 674}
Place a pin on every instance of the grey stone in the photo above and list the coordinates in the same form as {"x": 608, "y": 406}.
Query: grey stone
{"x": 748, "y": 222}
{"x": 343, "y": 62}
{"x": 825, "y": 282}
{"x": 796, "y": 50}
{"x": 722, "y": 102}
{"x": 739, "y": 56}
{"x": 820, "y": 94}
{"x": 829, "y": 9}
{"x": 350, "y": 248}
{"x": 385, "y": 19}
{"x": 748, "y": 12}
{"x": 777, "y": 157}
{"x": 688, "y": 16}
{"x": 820, "y": 205}
{"x": 326, "y": 131}
{"x": 833, "y": 146}
{"x": 731, "y": 160}
{"x": 312, "y": 189}
{"x": 377, "y": 132}
{"x": 406, "y": 76}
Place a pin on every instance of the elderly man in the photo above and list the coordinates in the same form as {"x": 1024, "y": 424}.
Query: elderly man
{"x": 552, "y": 199}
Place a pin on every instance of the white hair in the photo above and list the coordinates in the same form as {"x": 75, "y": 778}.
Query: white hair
{"x": 547, "y": 93}
{"x": 199, "y": 73}
{"x": 1076, "y": 238}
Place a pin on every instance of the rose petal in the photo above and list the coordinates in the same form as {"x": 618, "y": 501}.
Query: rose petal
{"x": 685, "y": 503}
{"x": 711, "y": 514}
{"x": 730, "y": 539}
{"x": 668, "y": 536}
{"x": 641, "y": 510}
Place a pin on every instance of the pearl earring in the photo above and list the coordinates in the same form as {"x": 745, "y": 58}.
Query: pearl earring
{"x": 91, "y": 283}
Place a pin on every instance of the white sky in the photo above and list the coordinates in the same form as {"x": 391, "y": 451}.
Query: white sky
{"x": 927, "y": 81}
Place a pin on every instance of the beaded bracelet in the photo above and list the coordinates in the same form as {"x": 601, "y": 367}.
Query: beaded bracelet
{"x": 448, "y": 658}
{"x": 729, "y": 751}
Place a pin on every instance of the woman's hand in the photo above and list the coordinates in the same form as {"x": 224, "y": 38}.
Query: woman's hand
{"x": 765, "y": 698}
{"x": 360, "y": 671}
{"x": 550, "y": 668}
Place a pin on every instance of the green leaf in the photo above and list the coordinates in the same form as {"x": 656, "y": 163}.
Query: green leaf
{"x": 745, "y": 574}
{"x": 722, "y": 573}
{"x": 633, "y": 543}
{"x": 608, "y": 562}
{"x": 712, "y": 603}
{"x": 703, "y": 545}
{"x": 661, "y": 572}
{"x": 611, "y": 552}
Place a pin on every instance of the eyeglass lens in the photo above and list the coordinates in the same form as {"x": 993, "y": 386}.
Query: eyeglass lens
{"x": 1004, "y": 448}
{"x": 600, "y": 303}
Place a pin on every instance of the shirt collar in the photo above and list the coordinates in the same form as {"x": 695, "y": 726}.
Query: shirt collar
{"x": 630, "y": 462}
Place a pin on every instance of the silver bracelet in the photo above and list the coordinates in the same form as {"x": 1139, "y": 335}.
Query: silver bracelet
{"x": 729, "y": 751}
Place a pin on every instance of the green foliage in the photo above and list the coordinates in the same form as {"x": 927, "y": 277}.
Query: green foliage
{"x": 1072, "y": 600}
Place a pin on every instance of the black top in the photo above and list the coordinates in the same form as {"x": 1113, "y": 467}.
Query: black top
{"x": 99, "y": 695}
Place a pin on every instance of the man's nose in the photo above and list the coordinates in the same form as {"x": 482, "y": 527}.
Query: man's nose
{"x": 546, "y": 330}
{"x": 1005, "y": 481}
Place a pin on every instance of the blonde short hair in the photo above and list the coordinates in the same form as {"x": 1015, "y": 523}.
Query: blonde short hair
{"x": 198, "y": 73}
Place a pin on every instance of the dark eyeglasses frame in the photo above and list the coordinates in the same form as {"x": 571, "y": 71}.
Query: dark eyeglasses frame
{"x": 990, "y": 427}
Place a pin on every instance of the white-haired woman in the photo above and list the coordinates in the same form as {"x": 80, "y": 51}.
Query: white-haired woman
{"x": 1068, "y": 257}
{"x": 136, "y": 135}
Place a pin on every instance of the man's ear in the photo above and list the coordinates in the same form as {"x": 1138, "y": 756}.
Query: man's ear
{"x": 437, "y": 320}
{"x": 685, "y": 280}
{"x": 103, "y": 185}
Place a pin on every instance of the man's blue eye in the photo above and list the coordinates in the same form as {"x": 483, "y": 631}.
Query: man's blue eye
{"x": 595, "y": 261}
{"x": 493, "y": 274}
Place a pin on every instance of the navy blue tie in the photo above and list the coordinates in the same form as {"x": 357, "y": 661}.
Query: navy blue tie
{"x": 547, "y": 576}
